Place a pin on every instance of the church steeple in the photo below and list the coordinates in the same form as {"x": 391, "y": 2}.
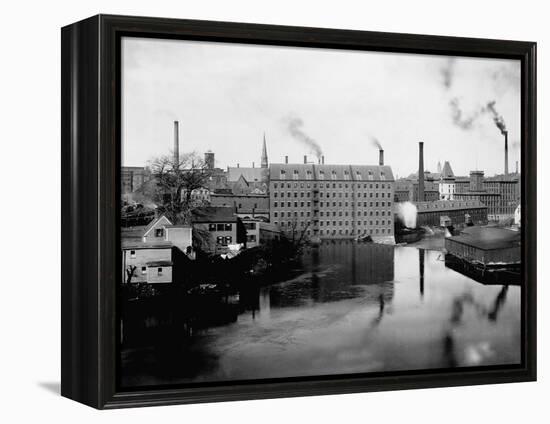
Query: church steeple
{"x": 264, "y": 163}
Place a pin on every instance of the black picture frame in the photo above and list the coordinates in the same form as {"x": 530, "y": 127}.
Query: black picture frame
{"x": 90, "y": 138}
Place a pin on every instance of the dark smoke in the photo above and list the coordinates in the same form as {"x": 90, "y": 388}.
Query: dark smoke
{"x": 294, "y": 126}
{"x": 497, "y": 118}
{"x": 466, "y": 122}
{"x": 375, "y": 142}
{"x": 447, "y": 72}
{"x": 458, "y": 115}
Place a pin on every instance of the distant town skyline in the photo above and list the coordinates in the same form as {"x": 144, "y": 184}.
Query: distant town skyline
{"x": 317, "y": 101}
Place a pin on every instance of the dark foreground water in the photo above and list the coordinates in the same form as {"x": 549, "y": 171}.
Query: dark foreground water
{"x": 353, "y": 308}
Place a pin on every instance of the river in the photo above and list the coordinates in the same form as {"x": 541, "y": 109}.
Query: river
{"x": 352, "y": 308}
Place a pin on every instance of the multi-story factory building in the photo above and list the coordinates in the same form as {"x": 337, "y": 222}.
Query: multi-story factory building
{"x": 332, "y": 201}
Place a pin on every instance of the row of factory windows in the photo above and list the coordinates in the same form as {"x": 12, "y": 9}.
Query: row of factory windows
{"x": 282, "y": 214}
{"x": 332, "y": 204}
{"x": 346, "y": 231}
{"x": 331, "y": 194}
{"x": 291, "y": 224}
{"x": 333, "y": 175}
{"x": 331, "y": 185}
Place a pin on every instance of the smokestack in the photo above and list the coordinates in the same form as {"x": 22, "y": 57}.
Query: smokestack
{"x": 176, "y": 142}
{"x": 323, "y": 159}
{"x": 253, "y": 165}
{"x": 517, "y": 167}
{"x": 381, "y": 157}
{"x": 238, "y": 165}
{"x": 305, "y": 159}
{"x": 286, "y": 159}
{"x": 420, "y": 171}
{"x": 209, "y": 159}
{"x": 505, "y": 152}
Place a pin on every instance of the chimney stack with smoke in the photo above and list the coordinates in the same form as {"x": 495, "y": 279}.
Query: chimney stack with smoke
{"x": 381, "y": 157}
{"x": 305, "y": 159}
{"x": 176, "y": 142}
{"x": 420, "y": 171}
{"x": 323, "y": 159}
{"x": 505, "y": 152}
{"x": 286, "y": 159}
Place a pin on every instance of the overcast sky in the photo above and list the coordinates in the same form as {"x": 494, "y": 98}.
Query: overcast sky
{"x": 226, "y": 96}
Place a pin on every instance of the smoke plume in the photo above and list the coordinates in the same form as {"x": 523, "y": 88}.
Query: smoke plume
{"x": 459, "y": 117}
{"x": 466, "y": 122}
{"x": 447, "y": 72}
{"x": 497, "y": 118}
{"x": 375, "y": 142}
{"x": 294, "y": 127}
{"x": 407, "y": 212}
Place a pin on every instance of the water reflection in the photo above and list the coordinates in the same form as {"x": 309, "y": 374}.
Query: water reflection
{"x": 351, "y": 308}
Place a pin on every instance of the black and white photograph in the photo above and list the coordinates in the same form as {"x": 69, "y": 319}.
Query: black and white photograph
{"x": 301, "y": 212}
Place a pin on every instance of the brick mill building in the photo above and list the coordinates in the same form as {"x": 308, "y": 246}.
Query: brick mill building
{"x": 332, "y": 201}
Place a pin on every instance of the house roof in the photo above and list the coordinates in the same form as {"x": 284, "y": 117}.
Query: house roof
{"x": 214, "y": 214}
{"x": 249, "y": 174}
{"x": 488, "y": 238}
{"x": 132, "y": 245}
{"x": 161, "y": 220}
{"x": 159, "y": 263}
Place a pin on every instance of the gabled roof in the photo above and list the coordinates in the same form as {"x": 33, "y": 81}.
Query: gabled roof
{"x": 160, "y": 221}
{"x": 249, "y": 174}
{"x": 447, "y": 171}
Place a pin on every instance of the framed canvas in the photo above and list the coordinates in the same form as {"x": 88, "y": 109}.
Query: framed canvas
{"x": 255, "y": 211}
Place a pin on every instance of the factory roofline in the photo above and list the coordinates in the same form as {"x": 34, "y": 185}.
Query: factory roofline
{"x": 443, "y": 205}
{"x": 327, "y": 170}
{"x": 477, "y": 193}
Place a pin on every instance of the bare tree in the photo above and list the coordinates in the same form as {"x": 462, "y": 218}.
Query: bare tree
{"x": 174, "y": 182}
{"x": 298, "y": 236}
{"x": 130, "y": 272}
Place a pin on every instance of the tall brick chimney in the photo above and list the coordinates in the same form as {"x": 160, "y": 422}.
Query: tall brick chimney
{"x": 176, "y": 142}
{"x": 420, "y": 171}
{"x": 381, "y": 157}
{"x": 305, "y": 159}
{"x": 505, "y": 152}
